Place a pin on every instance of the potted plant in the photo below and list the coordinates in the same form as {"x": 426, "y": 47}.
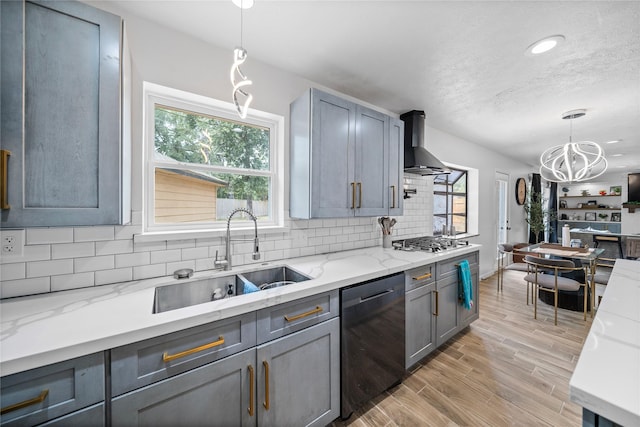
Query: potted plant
{"x": 538, "y": 216}
{"x": 603, "y": 216}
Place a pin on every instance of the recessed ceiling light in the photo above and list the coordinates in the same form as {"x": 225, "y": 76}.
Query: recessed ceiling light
{"x": 243, "y": 4}
{"x": 615, "y": 141}
{"x": 544, "y": 45}
{"x": 616, "y": 155}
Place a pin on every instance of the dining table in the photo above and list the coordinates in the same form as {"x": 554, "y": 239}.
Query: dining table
{"x": 587, "y": 256}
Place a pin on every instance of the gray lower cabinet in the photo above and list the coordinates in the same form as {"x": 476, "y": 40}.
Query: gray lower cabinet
{"x": 216, "y": 394}
{"x": 54, "y": 393}
{"x": 60, "y": 113}
{"x": 434, "y": 313}
{"x": 420, "y": 331}
{"x": 299, "y": 377}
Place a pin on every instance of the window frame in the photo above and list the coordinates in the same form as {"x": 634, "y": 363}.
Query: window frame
{"x": 449, "y": 200}
{"x": 157, "y": 95}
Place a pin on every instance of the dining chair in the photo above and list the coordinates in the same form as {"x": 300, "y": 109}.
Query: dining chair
{"x": 546, "y": 276}
{"x": 603, "y": 269}
{"x": 507, "y": 260}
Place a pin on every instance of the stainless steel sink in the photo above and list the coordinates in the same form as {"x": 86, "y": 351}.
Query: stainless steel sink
{"x": 273, "y": 277}
{"x": 184, "y": 294}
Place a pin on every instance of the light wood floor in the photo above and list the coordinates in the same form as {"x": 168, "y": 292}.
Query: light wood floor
{"x": 506, "y": 369}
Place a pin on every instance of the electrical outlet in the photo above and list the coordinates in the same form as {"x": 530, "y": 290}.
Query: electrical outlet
{"x": 12, "y": 242}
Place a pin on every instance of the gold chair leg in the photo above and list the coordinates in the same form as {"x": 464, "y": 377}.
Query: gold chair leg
{"x": 535, "y": 302}
{"x": 555, "y": 306}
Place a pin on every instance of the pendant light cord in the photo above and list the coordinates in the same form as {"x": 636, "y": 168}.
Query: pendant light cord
{"x": 241, "y": 42}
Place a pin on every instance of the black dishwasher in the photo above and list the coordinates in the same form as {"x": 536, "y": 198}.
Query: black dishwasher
{"x": 372, "y": 340}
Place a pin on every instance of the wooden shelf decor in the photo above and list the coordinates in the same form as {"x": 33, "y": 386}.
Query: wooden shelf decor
{"x": 631, "y": 206}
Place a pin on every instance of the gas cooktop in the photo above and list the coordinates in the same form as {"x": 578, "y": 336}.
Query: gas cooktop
{"x": 428, "y": 244}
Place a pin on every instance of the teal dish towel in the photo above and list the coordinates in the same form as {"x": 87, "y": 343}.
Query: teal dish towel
{"x": 249, "y": 287}
{"x": 465, "y": 285}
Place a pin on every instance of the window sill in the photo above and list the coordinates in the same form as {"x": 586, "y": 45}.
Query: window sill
{"x": 159, "y": 236}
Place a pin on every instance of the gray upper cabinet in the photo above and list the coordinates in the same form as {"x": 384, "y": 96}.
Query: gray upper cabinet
{"x": 341, "y": 155}
{"x": 396, "y": 167}
{"x": 60, "y": 105}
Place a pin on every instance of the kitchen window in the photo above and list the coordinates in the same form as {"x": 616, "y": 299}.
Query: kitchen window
{"x": 450, "y": 206}
{"x": 203, "y": 161}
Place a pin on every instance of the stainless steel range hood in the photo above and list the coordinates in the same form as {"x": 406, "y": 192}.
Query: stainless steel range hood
{"x": 417, "y": 159}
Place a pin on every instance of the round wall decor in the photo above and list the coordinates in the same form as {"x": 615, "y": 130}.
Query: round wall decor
{"x": 521, "y": 191}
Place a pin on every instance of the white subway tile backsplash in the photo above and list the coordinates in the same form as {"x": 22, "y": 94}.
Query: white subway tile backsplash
{"x": 65, "y": 258}
{"x": 194, "y": 253}
{"x": 49, "y": 268}
{"x": 93, "y": 234}
{"x": 37, "y": 236}
{"x": 13, "y": 271}
{"x": 72, "y": 281}
{"x": 172, "y": 255}
{"x": 130, "y": 260}
{"x": 149, "y": 271}
{"x": 73, "y": 250}
{"x": 106, "y": 277}
{"x": 16, "y": 288}
{"x": 104, "y": 262}
{"x": 114, "y": 247}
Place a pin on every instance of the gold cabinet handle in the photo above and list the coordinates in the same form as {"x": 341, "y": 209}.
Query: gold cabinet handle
{"x": 41, "y": 397}
{"x": 4, "y": 178}
{"x": 288, "y": 318}
{"x": 252, "y": 380}
{"x": 169, "y": 357}
{"x": 424, "y": 276}
{"x": 437, "y": 305}
{"x": 393, "y": 196}
{"x": 359, "y": 195}
{"x": 353, "y": 195}
{"x": 266, "y": 385}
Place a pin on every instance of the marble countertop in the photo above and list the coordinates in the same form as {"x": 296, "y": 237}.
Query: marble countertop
{"x": 43, "y": 329}
{"x": 606, "y": 380}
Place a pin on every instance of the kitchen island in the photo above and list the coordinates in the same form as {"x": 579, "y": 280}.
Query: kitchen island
{"x": 44, "y": 329}
{"x": 606, "y": 381}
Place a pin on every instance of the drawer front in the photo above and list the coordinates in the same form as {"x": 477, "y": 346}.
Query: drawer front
{"x": 450, "y": 266}
{"x": 145, "y": 362}
{"x": 420, "y": 276}
{"x": 92, "y": 416}
{"x": 280, "y": 320}
{"x": 42, "y": 394}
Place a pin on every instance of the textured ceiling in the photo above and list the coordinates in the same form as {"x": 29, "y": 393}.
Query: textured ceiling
{"x": 461, "y": 62}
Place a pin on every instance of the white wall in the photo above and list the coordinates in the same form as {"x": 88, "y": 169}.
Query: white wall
{"x": 74, "y": 257}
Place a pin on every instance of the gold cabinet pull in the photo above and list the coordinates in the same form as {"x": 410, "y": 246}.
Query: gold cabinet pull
{"x": 288, "y": 318}
{"x": 424, "y": 276}
{"x": 359, "y": 195}
{"x": 252, "y": 380}
{"x": 266, "y": 385}
{"x": 353, "y": 195}
{"x": 393, "y": 196}
{"x": 437, "y": 308}
{"x": 4, "y": 178}
{"x": 169, "y": 357}
{"x": 41, "y": 397}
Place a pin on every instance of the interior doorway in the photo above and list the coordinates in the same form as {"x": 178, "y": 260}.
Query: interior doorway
{"x": 502, "y": 206}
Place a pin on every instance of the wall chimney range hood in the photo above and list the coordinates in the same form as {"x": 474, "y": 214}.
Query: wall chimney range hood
{"x": 417, "y": 159}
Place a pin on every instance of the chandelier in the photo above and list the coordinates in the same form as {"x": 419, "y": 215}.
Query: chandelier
{"x": 241, "y": 98}
{"x": 573, "y": 161}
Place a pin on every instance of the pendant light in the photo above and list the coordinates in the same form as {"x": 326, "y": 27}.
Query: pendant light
{"x": 573, "y": 161}
{"x": 241, "y": 98}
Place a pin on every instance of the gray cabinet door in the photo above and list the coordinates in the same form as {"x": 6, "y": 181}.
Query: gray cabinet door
{"x": 372, "y": 162}
{"x": 447, "y": 308}
{"x": 60, "y": 117}
{"x": 420, "y": 325}
{"x": 217, "y": 394}
{"x": 302, "y": 385}
{"x": 333, "y": 155}
{"x": 468, "y": 316}
{"x": 396, "y": 167}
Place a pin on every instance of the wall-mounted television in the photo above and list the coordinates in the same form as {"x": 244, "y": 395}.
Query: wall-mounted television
{"x": 634, "y": 187}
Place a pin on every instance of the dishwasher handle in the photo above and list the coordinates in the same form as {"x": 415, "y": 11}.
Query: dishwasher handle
{"x": 377, "y": 295}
